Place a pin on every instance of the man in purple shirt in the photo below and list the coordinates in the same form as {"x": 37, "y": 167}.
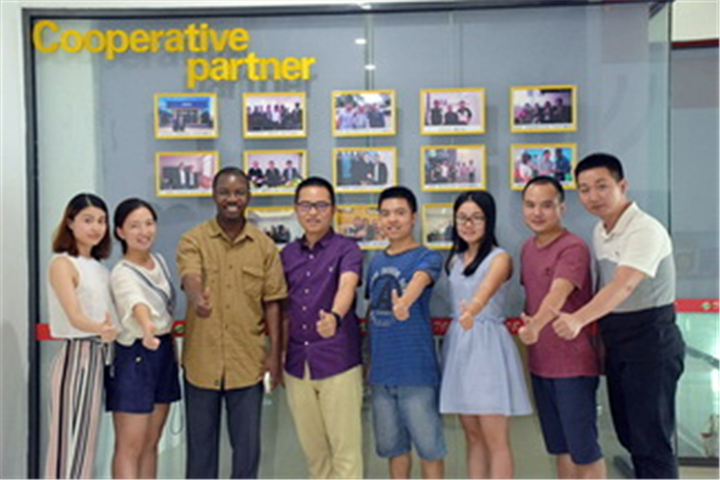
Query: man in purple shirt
{"x": 323, "y": 365}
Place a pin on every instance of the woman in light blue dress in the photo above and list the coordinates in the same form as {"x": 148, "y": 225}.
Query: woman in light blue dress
{"x": 482, "y": 379}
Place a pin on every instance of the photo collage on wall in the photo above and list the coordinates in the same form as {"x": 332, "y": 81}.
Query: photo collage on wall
{"x": 362, "y": 170}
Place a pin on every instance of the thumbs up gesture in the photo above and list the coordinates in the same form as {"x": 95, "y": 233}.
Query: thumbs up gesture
{"x": 467, "y": 319}
{"x": 400, "y": 309}
{"x": 203, "y": 307}
{"x": 528, "y": 333}
{"x": 566, "y": 326}
{"x": 108, "y": 330}
{"x": 326, "y": 324}
{"x": 149, "y": 340}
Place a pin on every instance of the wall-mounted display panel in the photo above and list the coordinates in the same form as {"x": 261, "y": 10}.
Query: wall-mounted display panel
{"x": 186, "y": 115}
{"x": 555, "y": 160}
{"x": 363, "y": 113}
{"x": 279, "y": 223}
{"x": 447, "y": 168}
{"x": 452, "y": 111}
{"x": 545, "y": 108}
{"x": 437, "y": 225}
{"x": 275, "y": 172}
{"x": 362, "y": 224}
{"x": 274, "y": 115}
{"x": 364, "y": 170}
{"x": 185, "y": 174}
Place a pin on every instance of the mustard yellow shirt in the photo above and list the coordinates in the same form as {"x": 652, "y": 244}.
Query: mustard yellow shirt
{"x": 242, "y": 273}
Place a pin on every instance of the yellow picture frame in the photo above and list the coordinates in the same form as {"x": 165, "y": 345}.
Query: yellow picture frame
{"x": 361, "y": 223}
{"x": 449, "y": 111}
{"x": 286, "y": 229}
{"x": 453, "y": 168}
{"x": 185, "y": 116}
{"x": 185, "y": 174}
{"x": 528, "y": 161}
{"x": 437, "y": 227}
{"x": 278, "y": 115}
{"x": 535, "y": 109}
{"x": 282, "y": 182}
{"x": 360, "y": 169}
{"x": 363, "y": 113}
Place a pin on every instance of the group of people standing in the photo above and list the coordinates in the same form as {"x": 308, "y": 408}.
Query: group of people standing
{"x": 274, "y": 117}
{"x": 240, "y": 289}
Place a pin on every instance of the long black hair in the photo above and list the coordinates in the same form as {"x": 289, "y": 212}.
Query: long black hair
{"x": 486, "y": 202}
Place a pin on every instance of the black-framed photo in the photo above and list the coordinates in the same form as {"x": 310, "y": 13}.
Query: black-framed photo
{"x": 363, "y": 113}
{"x": 364, "y": 169}
{"x": 437, "y": 224}
{"x": 186, "y": 115}
{"x": 546, "y": 108}
{"x": 556, "y": 160}
{"x": 278, "y": 223}
{"x": 447, "y": 168}
{"x": 185, "y": 174}
{"x": 362, "y": 224}
{"x": 274, "y": 115}
{"x": 452, "y": 111}
{"x": 275, "y": 172}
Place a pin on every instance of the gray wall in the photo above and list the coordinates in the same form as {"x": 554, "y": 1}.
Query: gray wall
{"x": 694, "y": 193}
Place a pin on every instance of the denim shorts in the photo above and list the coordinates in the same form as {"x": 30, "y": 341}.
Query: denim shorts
{"x": 568, "y": 416}
{"x": 405, "y": 416}
{"x": 140, "y": 378}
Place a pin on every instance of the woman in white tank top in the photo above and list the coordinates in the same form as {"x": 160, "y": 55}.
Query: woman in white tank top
{"x": 81, "y": 312}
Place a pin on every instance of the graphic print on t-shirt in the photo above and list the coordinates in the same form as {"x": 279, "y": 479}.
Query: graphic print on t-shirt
{"x": 382, "y": 284}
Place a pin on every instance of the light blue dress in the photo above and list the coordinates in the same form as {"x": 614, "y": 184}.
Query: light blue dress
{"x": 482, "y": 373}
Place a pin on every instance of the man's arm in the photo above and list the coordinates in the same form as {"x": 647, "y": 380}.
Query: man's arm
{"x": 560, "y": 290}
{"x": 401, "y": 304}
{"x": 274, "y": 331}
{"x": 198, "y": 297}
{"x": 626, "y": 279}
{"x": 343, "y": 301}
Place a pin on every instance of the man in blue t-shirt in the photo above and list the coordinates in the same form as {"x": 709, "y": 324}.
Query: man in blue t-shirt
{"x": 404, "y": 372}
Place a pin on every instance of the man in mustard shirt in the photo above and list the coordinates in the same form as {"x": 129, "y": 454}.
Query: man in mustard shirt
{"x": 233, "y": 280}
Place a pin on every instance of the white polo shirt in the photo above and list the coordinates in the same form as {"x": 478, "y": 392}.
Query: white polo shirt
{"x": 641, "y": 242}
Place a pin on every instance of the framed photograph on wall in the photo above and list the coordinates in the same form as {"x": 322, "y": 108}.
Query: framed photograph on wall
{"x": 362, "y": 224}
{"x": 452, "y": 111}
{"x": 185, "y": 174}
{"x": 553, "y": 159}
{"x": 275, "y": 172}
{"x": 364, "y": 170}
{"x": 365, "y": 113}
{"x": 437, "y": 224}
{"x": 186, "y": 115}
{"x": 445, "y": 168}
{"x": 279, "y": 223}
{"x": 548, "y": 108}
{"x": 274, "y": 115}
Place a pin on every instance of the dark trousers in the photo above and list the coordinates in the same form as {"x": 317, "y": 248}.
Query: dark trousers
{"x": 642, "y": 401}
{"x": 202, "y": 410}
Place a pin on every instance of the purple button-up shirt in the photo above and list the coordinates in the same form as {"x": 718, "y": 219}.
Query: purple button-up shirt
{"x": 313, "y": 278}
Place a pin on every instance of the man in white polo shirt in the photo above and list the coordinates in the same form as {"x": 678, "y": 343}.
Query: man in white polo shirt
{"x": 636, "y": 314}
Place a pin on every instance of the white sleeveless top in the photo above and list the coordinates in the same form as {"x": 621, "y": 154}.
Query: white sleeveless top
{"x": 93, "y": 294}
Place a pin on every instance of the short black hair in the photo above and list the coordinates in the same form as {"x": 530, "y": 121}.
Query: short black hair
{"x": 123, "y": 210}
{"x": 399, "y": 192}
{"x": 546, "y": 180}
{"x": 316, "y": 182}
{"x": 229, "y": 171}
{"x": 601, "y": 160}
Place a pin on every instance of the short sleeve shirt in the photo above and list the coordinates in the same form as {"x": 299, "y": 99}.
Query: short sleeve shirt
{"x": 228, "y": 348}
{"x": 566, "y": 257}
{"x": 641, "y": 242}
{"x": 402, "y": 352}
{"x": 313, "y": 278}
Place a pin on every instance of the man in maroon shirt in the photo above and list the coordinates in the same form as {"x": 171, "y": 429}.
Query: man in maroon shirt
{"x": 322, "y": 362}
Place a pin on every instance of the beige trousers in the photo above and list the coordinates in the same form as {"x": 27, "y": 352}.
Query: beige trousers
{"x": 328, "y": 419}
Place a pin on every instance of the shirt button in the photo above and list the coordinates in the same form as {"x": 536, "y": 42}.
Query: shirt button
{"x": 307, "y": 290}
{"x": 307, "y": 343}
{"x": 312, "y": 256}
{"x": 304, "y": 327}
{"x": 304, "y": 308}
{"x": 307, "y": 274}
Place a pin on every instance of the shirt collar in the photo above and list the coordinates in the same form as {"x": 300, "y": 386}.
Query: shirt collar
{"x": 623, "y": 222}
{"x": 248, "y": 231}
{"x": 322, "y": 243}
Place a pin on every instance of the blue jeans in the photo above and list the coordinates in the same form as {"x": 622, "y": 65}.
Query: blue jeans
{"x": 202, "y": 410}
{"x": 405, "y": 415}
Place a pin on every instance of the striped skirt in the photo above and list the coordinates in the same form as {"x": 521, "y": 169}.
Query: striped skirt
{"x": 76, "y": 391}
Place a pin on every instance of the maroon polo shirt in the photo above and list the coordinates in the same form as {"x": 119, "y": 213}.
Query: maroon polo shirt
{"x": 313, "y": 278}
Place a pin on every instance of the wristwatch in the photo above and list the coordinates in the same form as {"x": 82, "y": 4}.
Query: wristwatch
{"x": 338, "y": 318}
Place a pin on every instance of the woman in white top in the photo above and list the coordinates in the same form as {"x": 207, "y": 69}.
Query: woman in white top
{"x": 143, "y": 380}
{"x": 80, "y": 310}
